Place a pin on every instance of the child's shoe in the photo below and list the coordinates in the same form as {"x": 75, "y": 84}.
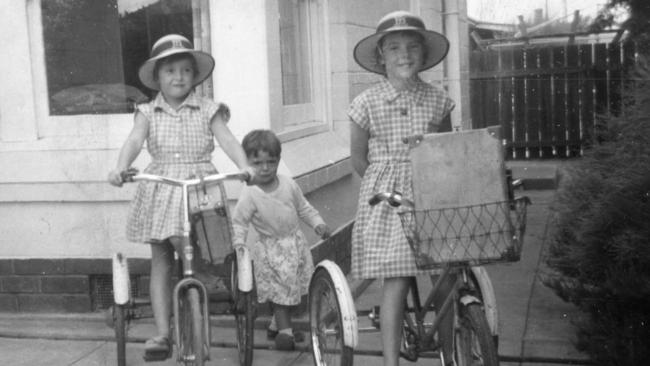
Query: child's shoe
{"x": 284, "y": 342}
{"x": 157, "y": 349}
{"x": 298, "y": 336}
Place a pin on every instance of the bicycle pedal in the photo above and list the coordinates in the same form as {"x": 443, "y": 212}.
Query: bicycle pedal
{"x": 373, "y": 315}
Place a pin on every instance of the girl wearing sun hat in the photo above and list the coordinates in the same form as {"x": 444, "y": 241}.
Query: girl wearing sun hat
{"x": 179, "y": 127}
{"x": 399, "y": 106}
{"x": 169, "y": 45}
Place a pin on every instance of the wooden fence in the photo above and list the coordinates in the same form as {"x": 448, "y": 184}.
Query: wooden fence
{"x": 547, "y": 98}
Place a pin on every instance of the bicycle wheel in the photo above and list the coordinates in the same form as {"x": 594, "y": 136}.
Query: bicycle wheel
{"x": 325, "y": 318}
{"x": 119, "y": 323}
{"x": 244, "y": 311}
{"x": 473, "y": 341}
{"x": 192, "y": 352}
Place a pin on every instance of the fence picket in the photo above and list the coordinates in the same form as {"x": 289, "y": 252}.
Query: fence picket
{"x": 586, "y": 115}
{"x": 546, "y": 104}
{"x": 547, "y": 99}
{"x": 600, "y": 79}
{"x": 519, "y": 142}
{"x": 506, "y": 87}
{"x": 573, "y": 135}
{"x": 533, "y": 103}
{"x": 560, "y": 102}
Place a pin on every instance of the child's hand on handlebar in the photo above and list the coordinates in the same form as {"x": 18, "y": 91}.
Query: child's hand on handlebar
{"x": 115, "y": 177}
{"x": 323, "y": 231}
{"x": 250, "y": 172}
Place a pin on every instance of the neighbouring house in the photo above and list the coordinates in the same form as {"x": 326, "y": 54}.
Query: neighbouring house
{"x": 66, "y": 106}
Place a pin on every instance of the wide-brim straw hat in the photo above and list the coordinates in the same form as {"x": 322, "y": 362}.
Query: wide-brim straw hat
{"x": 436, "y": 44}
{"x": 169, "y": 45}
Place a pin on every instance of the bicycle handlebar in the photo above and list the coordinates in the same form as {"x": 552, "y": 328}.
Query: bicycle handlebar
{"x": 394, "y": 199}
{"x": 132, "y": 175}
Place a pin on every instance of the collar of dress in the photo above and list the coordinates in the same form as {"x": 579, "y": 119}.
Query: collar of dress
{"x": 159, "y": 103}
{"x": 416, "y": 93}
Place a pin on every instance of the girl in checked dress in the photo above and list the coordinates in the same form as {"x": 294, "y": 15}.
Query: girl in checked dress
{"x": 179, "y": 128}
{"x": 400, "y": 105}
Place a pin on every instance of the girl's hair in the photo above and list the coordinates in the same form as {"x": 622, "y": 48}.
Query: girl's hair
{"x": 173, "y": 58}
{"x": 261, "y": 140}
{"x": 419, "y": 37}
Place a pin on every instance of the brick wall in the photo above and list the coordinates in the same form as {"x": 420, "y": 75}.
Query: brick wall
{"x": 72, "y": 285}
{"x": 56, "y": 285}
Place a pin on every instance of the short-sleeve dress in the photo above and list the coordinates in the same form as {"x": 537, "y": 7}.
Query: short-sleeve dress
{"x": 379, "y": 246}
{"x": 180, "y": 143}
{"x": 282, "y": 259}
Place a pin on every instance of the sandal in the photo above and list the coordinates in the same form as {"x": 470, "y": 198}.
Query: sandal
{"x": 158, "y": 348}
{"x": 298, "y": 336}
{"x": 284, "y": 342}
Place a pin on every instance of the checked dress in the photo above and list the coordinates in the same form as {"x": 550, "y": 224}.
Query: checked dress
{"x": 180, "y": 143}
{"x": 379, "y": 246}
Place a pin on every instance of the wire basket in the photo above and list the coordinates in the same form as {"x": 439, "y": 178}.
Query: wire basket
{"x": 468, "y": 235}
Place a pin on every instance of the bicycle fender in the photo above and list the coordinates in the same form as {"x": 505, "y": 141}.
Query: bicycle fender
{"x": 489, "y": 298}
{"x": 121, "y": 282}
{"x": 346, "y": 302}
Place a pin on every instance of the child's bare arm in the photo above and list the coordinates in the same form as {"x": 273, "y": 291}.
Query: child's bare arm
{"x": 130, "y": 149}
{"x": 309, "y": 214}
{"x": 227, "y": 141}
{"x": 359, "y": 148}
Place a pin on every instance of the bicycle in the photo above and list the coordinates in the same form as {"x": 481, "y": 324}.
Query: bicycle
{"x": 191, "y": 327}
{"x": 457, "y": 240}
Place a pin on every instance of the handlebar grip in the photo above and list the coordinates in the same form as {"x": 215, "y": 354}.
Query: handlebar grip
{"x": 246, "y": 177}
{"x": 374, "y": 200}
{"x": 127, "y": 175}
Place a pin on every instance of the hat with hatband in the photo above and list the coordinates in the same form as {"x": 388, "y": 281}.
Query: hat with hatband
{"x": 436, "y": 44}
{"x": 174, "y": 44}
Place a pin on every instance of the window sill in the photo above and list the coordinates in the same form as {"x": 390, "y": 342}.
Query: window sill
{"x": 44, "y": 171}
{"x": 317, "y": 160}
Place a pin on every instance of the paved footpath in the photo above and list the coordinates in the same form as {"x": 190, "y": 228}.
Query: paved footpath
{"x": 535, "y": 325}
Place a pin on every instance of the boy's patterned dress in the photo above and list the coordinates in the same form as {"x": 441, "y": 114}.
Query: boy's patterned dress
{"x": 281, "y": 256}
{"x": 180, "y": 143}
{"x": 379, "y": 247}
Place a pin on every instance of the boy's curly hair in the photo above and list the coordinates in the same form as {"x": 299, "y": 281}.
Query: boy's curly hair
{"x": 261, "y": 140}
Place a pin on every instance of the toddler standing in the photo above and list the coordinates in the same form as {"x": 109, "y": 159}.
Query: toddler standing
{"x": 281, "y": 257}
{"x": 179, "y": 128}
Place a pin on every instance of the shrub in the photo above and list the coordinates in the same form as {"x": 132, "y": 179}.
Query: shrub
{"x": 601, "y": 248}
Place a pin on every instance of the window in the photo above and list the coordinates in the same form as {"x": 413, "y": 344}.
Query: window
{"x": 302, "y": 55}
{"x": 295, "y": 52}
{"x": 93, "y": 49}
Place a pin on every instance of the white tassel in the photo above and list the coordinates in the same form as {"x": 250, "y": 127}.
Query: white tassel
{"x": 244, "y": 270}
{"x": 121, "y": 282}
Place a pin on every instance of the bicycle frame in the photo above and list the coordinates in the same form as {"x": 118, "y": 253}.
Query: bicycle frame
{"x": 187, "y": 250}
{"x": 462, "y": 290}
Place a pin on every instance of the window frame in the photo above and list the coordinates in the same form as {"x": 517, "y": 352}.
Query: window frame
{"x": 307, "y": 118}
{"x": 98, "y": 130}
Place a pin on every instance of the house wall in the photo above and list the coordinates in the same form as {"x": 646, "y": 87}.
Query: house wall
{"x": 60, "y": 220}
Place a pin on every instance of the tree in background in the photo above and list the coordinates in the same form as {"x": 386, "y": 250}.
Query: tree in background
{"x": 637, "y": 23}
{"x": 601, "y": 246}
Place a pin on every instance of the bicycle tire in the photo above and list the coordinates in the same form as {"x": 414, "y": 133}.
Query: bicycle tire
{"x": 473, "y": 341}
{"x": 192, "y": 351}
{"x": 119, "y": 323}
{"x": 244, "y": 311}
{"x": 326, "y": 323}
